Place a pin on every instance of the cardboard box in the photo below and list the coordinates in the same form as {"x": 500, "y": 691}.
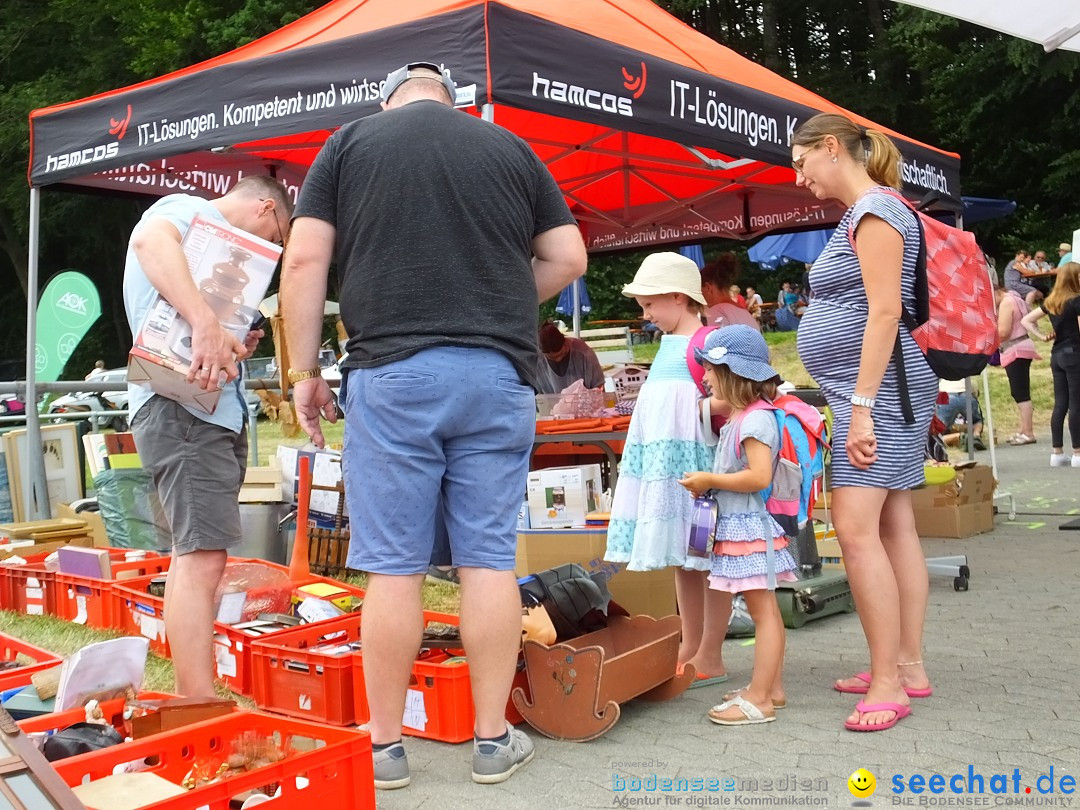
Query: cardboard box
{"x": 958, "y": 521}
{"x": 95, "y": 526}
{"x": 829, "y": 551}
{"x": 232, "y": 269}
{"x": 561, "y": 497}
{"x": 960, "y": 508}
{"x": 648, "y": 592}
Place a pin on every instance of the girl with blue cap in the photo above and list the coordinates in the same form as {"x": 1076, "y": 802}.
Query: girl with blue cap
{"x": 749, "y": 552}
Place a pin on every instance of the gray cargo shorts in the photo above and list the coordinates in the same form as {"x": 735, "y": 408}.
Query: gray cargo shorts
{"x": 197, "y": 469}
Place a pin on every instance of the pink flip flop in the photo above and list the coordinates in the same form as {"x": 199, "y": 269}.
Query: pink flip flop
{"x": 867, "y": 708}
{"x": 862, "y": 690}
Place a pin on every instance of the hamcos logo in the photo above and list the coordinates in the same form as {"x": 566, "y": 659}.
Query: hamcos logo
{"x": 72, "y": 303}
{"x": 92, "y": 154}
{"x": 589, "y": 98}
{"x": 119, "y": 128}
{"x": 635, "y": 84}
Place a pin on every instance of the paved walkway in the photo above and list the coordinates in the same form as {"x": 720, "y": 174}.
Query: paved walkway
{"x": 1003, "y": 658}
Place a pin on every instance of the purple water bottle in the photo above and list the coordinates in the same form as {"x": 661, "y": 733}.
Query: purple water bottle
{"x": 702, "y": 526}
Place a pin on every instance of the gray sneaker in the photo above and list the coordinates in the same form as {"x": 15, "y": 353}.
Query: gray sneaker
{"x": 391, "y": 767}
{"x": 443, "y": 575}
{"x": 493, "y": 763}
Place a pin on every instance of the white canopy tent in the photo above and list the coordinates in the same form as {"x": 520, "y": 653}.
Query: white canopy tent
{"x": 1054, "y": 24}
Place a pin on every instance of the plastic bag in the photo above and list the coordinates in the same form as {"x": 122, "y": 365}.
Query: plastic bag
{"x": 250, "y": 588}
{"x": 131, "y": 511}
{"x": 577, "y": 400}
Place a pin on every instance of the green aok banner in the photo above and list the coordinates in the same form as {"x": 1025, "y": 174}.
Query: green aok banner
{"x": 66, "y": 309}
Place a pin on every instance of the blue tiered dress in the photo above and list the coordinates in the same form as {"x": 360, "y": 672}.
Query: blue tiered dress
{"x": 651, "y": 513}
{"x": 738, "y": 560}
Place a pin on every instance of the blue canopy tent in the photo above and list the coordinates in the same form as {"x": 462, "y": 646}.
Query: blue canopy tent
{"x": 695, "y": 253}
{"x": 806, "y": 246}
{"x": 574, "y": 301}
{"x": 568, "y": 301}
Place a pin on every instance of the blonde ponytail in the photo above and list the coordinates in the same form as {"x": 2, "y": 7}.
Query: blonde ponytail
{"x": 883, "y": 162}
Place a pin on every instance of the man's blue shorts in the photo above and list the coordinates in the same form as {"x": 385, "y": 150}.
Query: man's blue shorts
{"x": 449, "y": 425}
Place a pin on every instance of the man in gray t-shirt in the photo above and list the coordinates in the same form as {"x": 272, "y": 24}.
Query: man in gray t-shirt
{"x": 567, "y": 360}
{"x": 447, "y": 231}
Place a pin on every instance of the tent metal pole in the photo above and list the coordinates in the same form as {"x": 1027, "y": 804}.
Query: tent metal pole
{"x": 36, "y": 494}
{"x": 969, "y": 392}
{"x": 575, "y": 299}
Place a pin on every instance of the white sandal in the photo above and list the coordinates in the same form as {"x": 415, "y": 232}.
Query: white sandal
{"x": 734, "y": 693}
{"x": 1021, "y": 438}
{"x": 752, "y": 715}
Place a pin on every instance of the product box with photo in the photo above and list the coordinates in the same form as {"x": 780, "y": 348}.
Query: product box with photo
{"x": 561, "y": 497}
{"x": 232, "y": 270}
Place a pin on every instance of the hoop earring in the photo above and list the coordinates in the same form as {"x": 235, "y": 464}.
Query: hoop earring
{"x": 834, "y": 158}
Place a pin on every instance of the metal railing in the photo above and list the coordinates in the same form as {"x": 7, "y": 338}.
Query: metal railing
{"x": 18, "y": 388}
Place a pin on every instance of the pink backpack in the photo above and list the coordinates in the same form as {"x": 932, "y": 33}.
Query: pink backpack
{"x": 697, "y": 371}
{"x": 954, "y": 322}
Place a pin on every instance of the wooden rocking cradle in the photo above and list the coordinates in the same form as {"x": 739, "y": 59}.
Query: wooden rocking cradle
{"x": 576, "y": 686}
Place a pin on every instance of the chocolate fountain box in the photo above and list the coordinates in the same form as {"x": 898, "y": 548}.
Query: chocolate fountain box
{"x": 232, "y": 269}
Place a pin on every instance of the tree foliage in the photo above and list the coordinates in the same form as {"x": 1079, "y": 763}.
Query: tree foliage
{"x": 1002, "y": 103}
{"x": 52, "y": 51}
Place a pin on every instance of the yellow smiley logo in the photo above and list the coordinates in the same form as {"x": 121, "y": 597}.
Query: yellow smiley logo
{"x": 862, "y": 784}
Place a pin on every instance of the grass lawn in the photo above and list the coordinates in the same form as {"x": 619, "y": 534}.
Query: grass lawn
{"x": 65, "y": 638}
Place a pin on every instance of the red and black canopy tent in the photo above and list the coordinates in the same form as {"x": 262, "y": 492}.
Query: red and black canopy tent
{"x": 655, "y": 133}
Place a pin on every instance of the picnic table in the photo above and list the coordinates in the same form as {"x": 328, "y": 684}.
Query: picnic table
{"x": 767, "y": 315}
{"x": 607, "y": 434}
{"x": 1039, "y": 273}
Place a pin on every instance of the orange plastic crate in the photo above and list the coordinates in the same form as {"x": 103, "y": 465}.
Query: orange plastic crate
{"x": 89, "y": 601}
{"x": 232, "y": 647}
{"x": 5, "y": 587}
{"x": 440, "y": 694}
{"x": 287, "y": 676}
{"x": 31, "y": 589}
{"x": 136, "y": 612}
{"x": 290, "y": 677}
{"x": 335, "y": 762}
{"x": 439, "y": 705}
{"x": 43, "y": 659}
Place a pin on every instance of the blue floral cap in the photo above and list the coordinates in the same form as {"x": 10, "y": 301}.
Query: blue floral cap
{"x": 741, "y": 348}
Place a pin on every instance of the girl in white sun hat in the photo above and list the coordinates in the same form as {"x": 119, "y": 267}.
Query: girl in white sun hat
{"x": 651, "y": 513}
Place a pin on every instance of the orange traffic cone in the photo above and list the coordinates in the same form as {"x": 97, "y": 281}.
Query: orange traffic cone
{"x": 298, "y": 565}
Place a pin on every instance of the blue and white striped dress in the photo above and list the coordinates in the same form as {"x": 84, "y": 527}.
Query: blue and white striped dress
{"x": 830, "y": 344}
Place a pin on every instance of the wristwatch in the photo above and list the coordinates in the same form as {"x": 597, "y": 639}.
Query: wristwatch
{"x": 306, "y": 374}
{"x": 861, "y": 402}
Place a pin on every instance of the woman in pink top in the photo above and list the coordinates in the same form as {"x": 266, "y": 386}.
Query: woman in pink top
{"x": 1017, "y": 352}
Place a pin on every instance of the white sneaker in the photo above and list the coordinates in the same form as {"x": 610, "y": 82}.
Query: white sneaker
{"x": 1059, "y": 460}
{"x": 1076, "y": 460}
